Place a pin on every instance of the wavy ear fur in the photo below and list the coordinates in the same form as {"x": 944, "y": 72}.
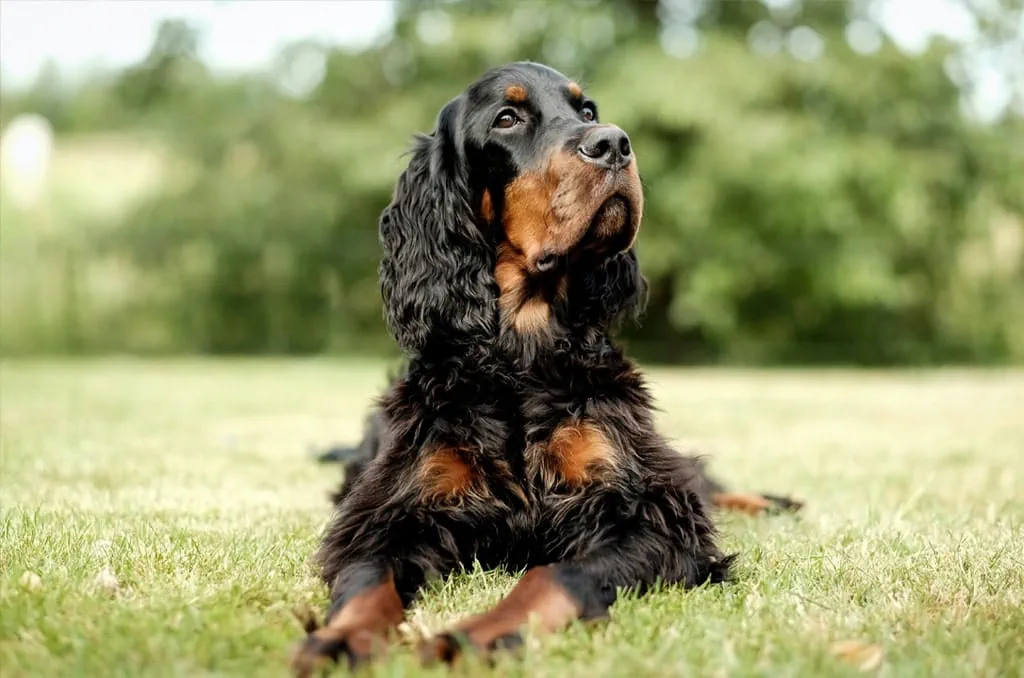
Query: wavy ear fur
{"x": 436, "y": 269}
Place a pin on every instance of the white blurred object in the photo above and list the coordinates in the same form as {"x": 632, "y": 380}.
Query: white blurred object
{"x": 26, "y": 147}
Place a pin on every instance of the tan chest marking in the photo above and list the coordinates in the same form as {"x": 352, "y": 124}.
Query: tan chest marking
{"x": 447, "y": 475}
{"x": 578, "y": 454}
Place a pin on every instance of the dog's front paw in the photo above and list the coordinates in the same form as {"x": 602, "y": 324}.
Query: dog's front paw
{"x": 449, "y": 647}
{"x": 328, "y": 646}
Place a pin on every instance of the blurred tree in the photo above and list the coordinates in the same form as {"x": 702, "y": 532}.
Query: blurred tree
{"x": 47, "y": 96}
{"x": 168, "y": 70}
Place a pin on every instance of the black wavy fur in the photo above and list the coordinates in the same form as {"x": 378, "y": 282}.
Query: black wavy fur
{"x": 497, "y": 395}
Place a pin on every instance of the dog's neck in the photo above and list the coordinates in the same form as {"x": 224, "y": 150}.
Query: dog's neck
{"x": 552, "y": 310}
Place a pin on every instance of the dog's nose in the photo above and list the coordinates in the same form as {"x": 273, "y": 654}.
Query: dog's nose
{"x": 607, "y": 146}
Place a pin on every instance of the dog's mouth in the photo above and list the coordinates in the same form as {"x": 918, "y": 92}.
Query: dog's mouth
{"x": 591, "y": 215}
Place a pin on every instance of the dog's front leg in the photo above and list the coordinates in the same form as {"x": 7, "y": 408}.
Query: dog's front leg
{"x": 667, "y": 539}
{"x": 550, "y": 597}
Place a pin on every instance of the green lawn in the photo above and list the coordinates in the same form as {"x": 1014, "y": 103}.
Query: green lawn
{"x": 158, "y": 518}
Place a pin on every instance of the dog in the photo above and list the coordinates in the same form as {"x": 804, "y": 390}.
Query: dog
{"x": 518, "y": 434}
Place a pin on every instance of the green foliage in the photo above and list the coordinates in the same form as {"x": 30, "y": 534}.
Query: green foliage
{"x": 840, "y": 209}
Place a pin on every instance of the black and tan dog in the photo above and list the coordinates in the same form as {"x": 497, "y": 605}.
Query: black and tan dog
{"x": 518, "y": 434}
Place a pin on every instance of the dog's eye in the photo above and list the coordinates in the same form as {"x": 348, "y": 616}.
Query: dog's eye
{"x": 507, "y": 119}
{"x": 588, "y": 113}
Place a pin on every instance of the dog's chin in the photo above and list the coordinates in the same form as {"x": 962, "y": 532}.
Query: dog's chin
{"x": 611, "y": 217}
{"x": 611, "y": 229}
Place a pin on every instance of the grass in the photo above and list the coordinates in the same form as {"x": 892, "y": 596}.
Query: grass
{"x": 158, "y": 518}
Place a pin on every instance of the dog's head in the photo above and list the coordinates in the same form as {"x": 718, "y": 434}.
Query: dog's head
{"x": 519, "y": 197}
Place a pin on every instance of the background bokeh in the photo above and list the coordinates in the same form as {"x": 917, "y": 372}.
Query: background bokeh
{"x": 817, "y": 191}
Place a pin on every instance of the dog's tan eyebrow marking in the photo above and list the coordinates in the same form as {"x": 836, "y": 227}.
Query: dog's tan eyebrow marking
{"x": 515, "y": 93}
{"x": 575, "y": 91}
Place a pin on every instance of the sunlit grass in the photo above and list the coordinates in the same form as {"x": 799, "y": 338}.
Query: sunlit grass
{"x": 191, "y": 484}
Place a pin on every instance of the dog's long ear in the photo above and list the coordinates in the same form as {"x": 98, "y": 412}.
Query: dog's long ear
{"x": 612, "y": 293}
{"x": 436, "y": 270}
